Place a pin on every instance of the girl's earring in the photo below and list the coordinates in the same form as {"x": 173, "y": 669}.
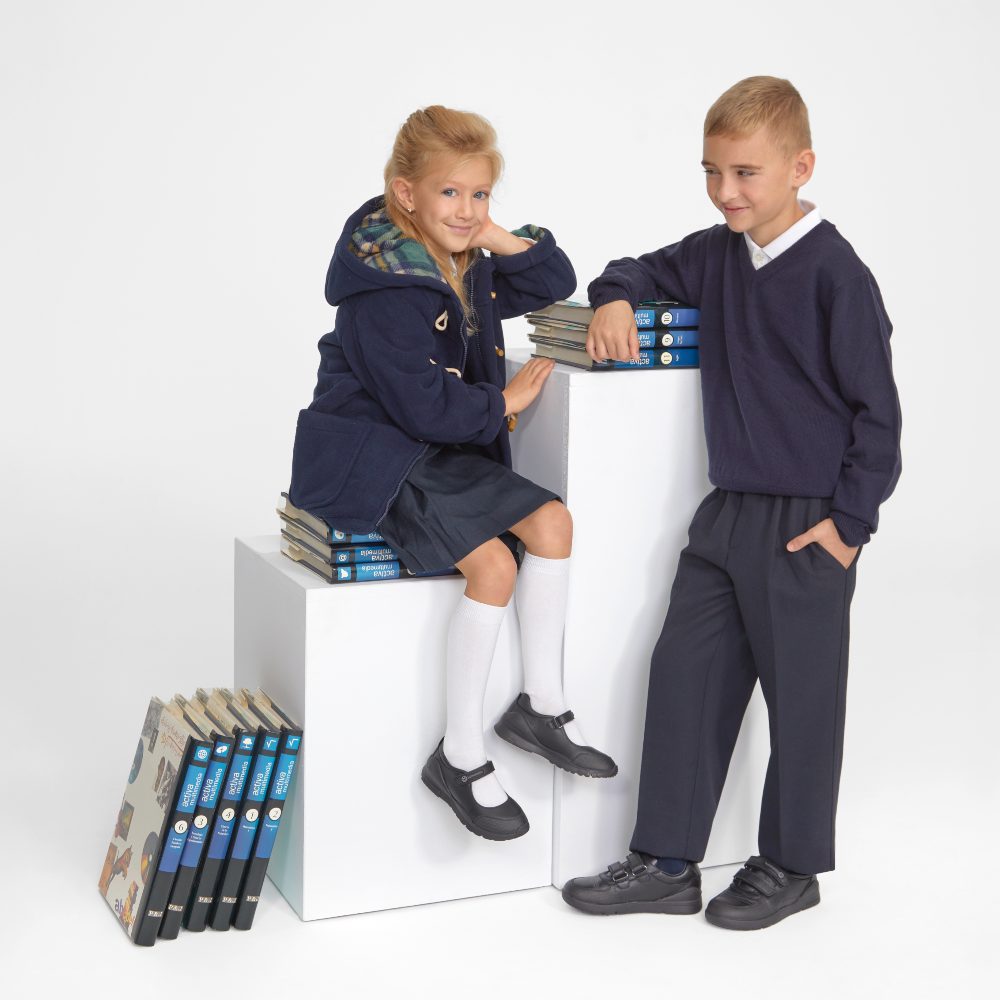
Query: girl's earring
{"x": 410, "y": 210}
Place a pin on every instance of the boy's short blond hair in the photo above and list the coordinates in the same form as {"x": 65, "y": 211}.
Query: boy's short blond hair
{"x": 762, "y": 102}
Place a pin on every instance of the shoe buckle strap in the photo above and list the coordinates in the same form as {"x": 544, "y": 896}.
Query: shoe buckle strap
{"x": 480, "y": 772}
{"x": 558, "y": 721}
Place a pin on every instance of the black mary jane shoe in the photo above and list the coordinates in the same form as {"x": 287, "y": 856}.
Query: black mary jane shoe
{"x": 544, "y": 735}
{"x": 503, "y": 822}
{"x": 762, "y": 893}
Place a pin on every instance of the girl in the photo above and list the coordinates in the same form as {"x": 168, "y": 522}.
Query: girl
{"x": 408, "y": 434}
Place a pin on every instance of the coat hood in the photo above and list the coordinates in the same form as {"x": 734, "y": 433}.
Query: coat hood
{"x": 372, "y": 253}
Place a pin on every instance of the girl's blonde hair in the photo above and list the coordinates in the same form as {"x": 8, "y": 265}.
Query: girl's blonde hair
{"x": 762, "y": 102}
{"x": 425, "y": 136}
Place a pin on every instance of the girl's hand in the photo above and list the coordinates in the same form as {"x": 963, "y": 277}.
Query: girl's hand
{"x": 497, "y": 240}
{"x": 525, "y": 386}
{"x": 612, "y": 332}
{"x": 825, "y": 535}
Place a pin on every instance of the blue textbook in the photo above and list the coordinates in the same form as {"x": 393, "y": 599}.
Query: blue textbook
{"x": 198, "y": 832}
{"x": 284, "y": 771}
{"x": 245, "y": 737}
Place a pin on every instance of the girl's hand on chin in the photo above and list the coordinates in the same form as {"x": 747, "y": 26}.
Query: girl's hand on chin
{"x": 497, "y": 240}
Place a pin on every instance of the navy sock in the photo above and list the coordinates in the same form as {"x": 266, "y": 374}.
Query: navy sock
{"x": 672, "y": 866}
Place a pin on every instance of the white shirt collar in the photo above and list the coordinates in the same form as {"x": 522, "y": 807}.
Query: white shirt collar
{"x": 759, "y": 256}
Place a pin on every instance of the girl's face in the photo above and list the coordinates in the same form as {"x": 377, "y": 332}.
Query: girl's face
{"x": 451, "y": 204}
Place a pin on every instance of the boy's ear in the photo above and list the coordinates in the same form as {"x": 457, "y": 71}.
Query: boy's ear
{"x": 403, "y": 190}
{"x": 802, "y": 166}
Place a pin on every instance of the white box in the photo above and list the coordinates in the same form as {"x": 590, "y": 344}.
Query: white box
{"x": 626, "y": 451}
{"x": 361, "y": 667}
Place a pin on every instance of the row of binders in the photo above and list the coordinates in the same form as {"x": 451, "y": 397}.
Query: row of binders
{"x": 200, "y": 814}
{"x": 667, "y": 332}
{"x": 339, "y": 556}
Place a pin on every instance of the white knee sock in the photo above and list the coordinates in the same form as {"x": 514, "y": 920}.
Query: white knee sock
{"x": 472, "y": 640}
{"x": 542, "y": 586}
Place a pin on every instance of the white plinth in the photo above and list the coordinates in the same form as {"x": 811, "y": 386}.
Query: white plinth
{"x": 626, "y": 450}
{"x": 362, "y": 667}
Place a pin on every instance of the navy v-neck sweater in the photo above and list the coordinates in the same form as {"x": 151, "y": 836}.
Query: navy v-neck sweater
{"x": 796, "y": 370}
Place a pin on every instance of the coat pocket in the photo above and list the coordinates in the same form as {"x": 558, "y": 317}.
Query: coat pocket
{"x": 325, "y": 452}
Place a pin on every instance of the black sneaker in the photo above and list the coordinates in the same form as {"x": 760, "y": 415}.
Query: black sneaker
{"x": 529, "y": 730}
{"x": 762, "y": 893}
{"x": 636, "y": 885}
{"x": 503, "y": 822}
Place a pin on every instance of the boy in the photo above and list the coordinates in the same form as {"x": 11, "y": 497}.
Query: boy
{"x": 802, "y": 424}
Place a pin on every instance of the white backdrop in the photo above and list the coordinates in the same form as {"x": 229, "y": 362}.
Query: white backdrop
{"x": 173, "y": 178}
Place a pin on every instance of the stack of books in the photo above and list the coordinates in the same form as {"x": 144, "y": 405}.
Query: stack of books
{"x": 339, "y": 556}
{"x": 668, "y": 335}
{"x": 200, "y": 814}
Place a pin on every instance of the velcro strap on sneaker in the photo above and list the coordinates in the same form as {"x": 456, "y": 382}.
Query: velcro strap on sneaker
{"x": 763, "y": 865}
{"x": 558, "y": 721}
{"x": 480, "y": 772}
{"x": 636, "y": 865}
{"x": 756, "y": 879}
{"x": 618, "y": 872}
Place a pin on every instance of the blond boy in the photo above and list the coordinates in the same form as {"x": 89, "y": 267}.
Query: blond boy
{"x": 802, "y": 424}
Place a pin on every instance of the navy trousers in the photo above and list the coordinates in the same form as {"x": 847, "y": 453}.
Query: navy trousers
{"x": 744, "y": 609}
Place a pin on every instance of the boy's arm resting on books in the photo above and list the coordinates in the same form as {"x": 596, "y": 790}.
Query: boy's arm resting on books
{"x": 862, "y": 362}
{"x": 534, "y": 278}
{"x": 673, "y": 272}
{"x": 390, "y": 345}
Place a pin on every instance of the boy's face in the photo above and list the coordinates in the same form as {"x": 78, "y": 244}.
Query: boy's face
{"x": 451, "y": 204}
{"x": 754, "y": 184}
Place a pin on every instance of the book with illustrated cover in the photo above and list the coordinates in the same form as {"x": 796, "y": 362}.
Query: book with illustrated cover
{"x": 648, "y": 316}
{"x": 284, "y": 771}
{"x": 245, "y": 832}
{"x": 204, "y": 814}
{"x": 648, "y": 339}
{"x": 320, "y": 530}
{"x": 685, "y": 357}
{"x": 246, "y": 736}
{"x": 160, "y": 797}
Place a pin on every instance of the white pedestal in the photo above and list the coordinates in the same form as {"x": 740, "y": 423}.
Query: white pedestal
{"x": 362, "y": 668}
{"x": 626, "y": 450}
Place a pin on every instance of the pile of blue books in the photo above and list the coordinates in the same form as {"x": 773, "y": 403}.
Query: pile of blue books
{"x": 668, "y": 335}
{"x": 201, "y": 811}
{"x": 339, "y": 556}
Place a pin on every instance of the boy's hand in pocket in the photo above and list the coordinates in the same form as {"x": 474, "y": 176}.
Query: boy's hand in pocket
{"x": 826, "y": 535}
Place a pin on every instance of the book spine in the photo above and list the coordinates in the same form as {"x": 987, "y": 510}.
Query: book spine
{"x": 685, "y": 357}
{"x": 190, "y": 779}
{"x": 194, "y": 848}
{"x": 653, "y": 318}
{"x": 361, "y": 572}
{"x": 207, "y": 881}
{"x": 363, "y": 554}
{"x": 673, "y": 338}
{"x": 270, "y": 821}
{"x": 246, "y": 832}
{"x": 346, "y": 538}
